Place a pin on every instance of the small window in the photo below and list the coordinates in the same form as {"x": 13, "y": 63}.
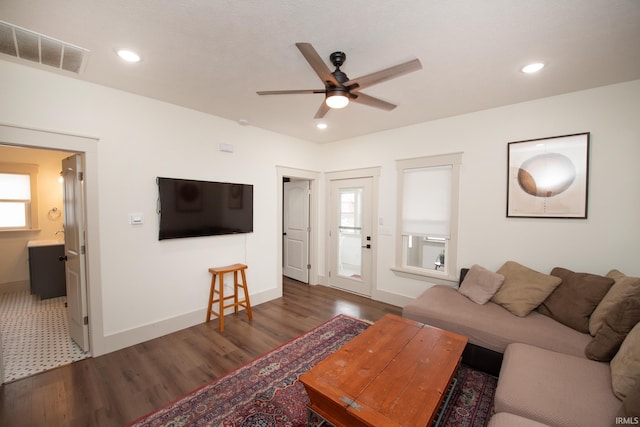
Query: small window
{"x": 18, "y": 201}
{"x": 428, "y": 215}
{"x": 350, "y": 211}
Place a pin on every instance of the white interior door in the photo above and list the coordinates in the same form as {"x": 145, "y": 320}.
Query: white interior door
{"x": 74, "y": 250}
{"x": 351, "y": 237}
{"x": 296, "y": 230}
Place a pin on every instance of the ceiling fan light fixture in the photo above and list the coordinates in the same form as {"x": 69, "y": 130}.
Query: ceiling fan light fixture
{"x": 337, "y": 98}
{"x": 337, "y": 86}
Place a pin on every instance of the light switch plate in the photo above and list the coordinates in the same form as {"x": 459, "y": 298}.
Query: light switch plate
{"x": 227, "y": 148}
{"x": 136, "y": 219}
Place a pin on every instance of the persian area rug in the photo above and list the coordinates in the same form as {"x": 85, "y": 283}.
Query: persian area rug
{"x": 471, "y": 404}
{"x": 266, "y": 392}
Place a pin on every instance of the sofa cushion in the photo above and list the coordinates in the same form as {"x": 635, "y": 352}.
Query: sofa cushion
{"x": 623, "y": 288}
{"x": 480, "y": 284}
{"x": 492, "y": 326}
{"x": 617, "y": 324}
{"x": 574, "y": 300}
{"x": 504, "y": 419}
{"x": 631, "y": 404}
{"x": 523, "y": 289}
{"x": 625, "y": 366}
{"x": 542, "y": 385}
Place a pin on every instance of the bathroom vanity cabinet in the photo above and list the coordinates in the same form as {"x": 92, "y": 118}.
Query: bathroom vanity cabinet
{"x": 46, "y": 271}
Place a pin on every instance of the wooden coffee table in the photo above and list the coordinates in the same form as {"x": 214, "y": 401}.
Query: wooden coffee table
{"x": 396, "y": 373}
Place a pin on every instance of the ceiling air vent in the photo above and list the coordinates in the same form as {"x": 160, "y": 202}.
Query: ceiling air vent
{"x": 31, "y": 46}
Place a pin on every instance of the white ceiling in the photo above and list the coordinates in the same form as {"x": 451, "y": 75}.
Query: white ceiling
{"x": 213, "y": 55}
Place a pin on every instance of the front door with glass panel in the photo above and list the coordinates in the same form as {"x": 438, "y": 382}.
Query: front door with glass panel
{"x": 351, "y": 235}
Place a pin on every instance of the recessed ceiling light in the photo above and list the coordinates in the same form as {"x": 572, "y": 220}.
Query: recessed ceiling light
{"x": 532, "y": 68}
{"x": 321, "y": 125}
{"x": 128, "y": 55}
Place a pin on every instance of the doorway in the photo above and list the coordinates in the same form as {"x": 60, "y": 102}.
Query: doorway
{"x": 296, "y": 229}
{"x": 308, "y": 183}
{"x": 33, "y": 140}
{"x": 35, "y": 311}
{"x": 351, "y": 235}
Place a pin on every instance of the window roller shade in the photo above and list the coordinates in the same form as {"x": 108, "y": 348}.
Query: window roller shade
{"x": 426, "y": 201}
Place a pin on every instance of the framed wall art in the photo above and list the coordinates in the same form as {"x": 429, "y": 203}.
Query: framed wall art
{"x": 548, "y": 177}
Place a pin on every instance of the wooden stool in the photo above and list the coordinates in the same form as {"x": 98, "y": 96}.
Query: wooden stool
{"x": 221, "y": 271}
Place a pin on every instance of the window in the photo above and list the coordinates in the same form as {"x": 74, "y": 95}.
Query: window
{"x": 427, "y": 234}
{"x": 18, "y": 201}
{"x": 350, "y": 211}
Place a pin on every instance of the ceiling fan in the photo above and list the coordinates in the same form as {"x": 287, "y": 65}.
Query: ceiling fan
{"x": 339, "y": 90}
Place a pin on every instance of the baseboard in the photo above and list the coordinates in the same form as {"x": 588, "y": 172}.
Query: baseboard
{"x": 22, "y": 285}
{"x": 133, "y": 336}
{"x": 391, "y": 298}
{"x": 377, "y": 295}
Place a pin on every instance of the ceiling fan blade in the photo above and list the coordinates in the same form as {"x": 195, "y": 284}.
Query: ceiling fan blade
{"x": 289, "y": 92}
{"x": 316, "y": 62}
{"x": 324, "y": 108}
{"x": 364, "y": 99}
{"x": 386, "y": 74}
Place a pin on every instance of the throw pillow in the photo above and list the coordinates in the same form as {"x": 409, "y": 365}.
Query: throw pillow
{"x": 480, "y": 284}
{"x": 623, "y": 288}
{"x": 619, "y": 321}
{"x": 625, "y": 366}
{"x": 574, "y": 300}
{"x": 523, "y": 289}
{"x": 631, "y": 404}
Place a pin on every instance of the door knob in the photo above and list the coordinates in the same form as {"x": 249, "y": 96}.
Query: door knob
{"x": 366, "y": 246}
{"x": 62, "y": 258}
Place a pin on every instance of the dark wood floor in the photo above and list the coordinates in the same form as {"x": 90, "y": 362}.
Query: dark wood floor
{"x": 117, "y": 388}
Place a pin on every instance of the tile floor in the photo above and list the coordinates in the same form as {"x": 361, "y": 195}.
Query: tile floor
{"x": 35, "y": 335}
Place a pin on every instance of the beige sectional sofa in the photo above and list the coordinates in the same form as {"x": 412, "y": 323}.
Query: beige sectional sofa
{"x": 490, "y": 325}
{"x": 545, "y": 377}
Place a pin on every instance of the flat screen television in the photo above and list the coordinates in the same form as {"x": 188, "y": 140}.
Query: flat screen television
{"x": 191, "y": 208}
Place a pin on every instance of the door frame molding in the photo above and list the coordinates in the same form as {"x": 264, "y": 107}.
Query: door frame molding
{"x": 87, "y": 147}
{"x": 370, "y": 172}
{"x": 314, "y": 178}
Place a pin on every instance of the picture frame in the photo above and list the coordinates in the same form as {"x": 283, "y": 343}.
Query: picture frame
{"x": 548, "y": 177}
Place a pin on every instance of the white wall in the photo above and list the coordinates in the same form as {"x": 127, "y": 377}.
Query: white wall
{"x": 148, "y": 287}
{"x": 609, "y": 238}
